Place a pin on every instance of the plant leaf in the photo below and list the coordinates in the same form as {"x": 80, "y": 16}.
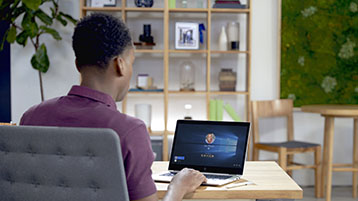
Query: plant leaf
{"x": 60, "y": 19}
{"x": 39, "y": 60}
{"x": 17, "y": 12}
{"x": 11, "y": 35}
{"x": 4, "y": 9}
{"x": 69, "y": 18}
{"x": 53, "y": 13}
{"x": 32, "y": 4}
{"x": 28, "y": 24}
{"x": 51, "y": 31}
{"x": 22, "y": 38}
{"x": 43, "y": 17}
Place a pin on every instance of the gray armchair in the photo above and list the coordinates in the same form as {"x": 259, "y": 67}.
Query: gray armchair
{"x": 61, "y": 164}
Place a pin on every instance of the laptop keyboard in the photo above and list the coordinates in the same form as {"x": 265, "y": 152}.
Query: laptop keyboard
{"x": 208, "y": 176}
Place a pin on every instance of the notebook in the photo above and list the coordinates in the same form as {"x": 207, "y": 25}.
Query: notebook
{"x": 215, "y": 148}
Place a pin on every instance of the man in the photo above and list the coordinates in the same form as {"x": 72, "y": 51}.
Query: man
{"x": 104, "y": 57}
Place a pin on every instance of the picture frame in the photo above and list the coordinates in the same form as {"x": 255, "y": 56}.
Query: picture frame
{"x": 97, "y": 3}
{"x": 186, "y": 35}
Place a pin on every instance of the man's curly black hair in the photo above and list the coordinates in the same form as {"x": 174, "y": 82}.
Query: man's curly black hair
{"x": 98, "y": 38}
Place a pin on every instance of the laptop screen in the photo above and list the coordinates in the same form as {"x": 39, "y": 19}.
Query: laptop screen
{"x": 210, "y": 146}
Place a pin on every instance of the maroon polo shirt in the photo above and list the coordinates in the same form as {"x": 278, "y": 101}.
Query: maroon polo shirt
{"x": 85, "y": 107}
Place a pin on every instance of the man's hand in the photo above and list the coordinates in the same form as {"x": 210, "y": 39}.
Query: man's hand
{"x": 186, "y": 181}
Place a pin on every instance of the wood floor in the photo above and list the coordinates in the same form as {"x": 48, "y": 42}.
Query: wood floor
{"x": 338, "y": 194}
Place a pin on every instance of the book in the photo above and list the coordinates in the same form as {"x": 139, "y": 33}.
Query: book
{"x": 230, "y": 110}
{"x": 212, "y": 110}
{"x": 219, "y": 110}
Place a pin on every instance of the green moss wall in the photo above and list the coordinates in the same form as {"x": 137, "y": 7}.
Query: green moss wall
{"x": 319, "y": 51}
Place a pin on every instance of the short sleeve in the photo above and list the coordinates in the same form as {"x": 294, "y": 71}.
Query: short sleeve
{"x": 138, "y": 159}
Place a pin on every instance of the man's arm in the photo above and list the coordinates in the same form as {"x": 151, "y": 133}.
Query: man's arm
{"x": 186, "y": 181}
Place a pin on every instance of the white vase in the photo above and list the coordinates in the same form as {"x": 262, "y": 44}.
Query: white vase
{"x": 223, "y": 39}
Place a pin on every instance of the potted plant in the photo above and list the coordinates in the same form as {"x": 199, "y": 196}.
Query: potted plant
{"x": 35, "y": 23}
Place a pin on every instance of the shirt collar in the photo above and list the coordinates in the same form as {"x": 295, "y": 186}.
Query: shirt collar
{"x": 93, "y": 94}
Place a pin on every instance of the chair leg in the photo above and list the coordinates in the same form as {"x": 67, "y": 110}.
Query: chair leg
{"x": 355, "y": 157}
{"x": 318, "y": 173}
{"x": 282, "y": 158}
{"x": 255, "y": 154}
{"x": 289, "y": 162}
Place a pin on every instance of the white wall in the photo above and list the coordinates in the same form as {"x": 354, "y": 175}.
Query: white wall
{"x": 25, "y": 90}
{"x": 62, "y": 74}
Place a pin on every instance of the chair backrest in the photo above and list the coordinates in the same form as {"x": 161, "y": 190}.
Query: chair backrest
{"x": 271, "y": 108}
{"x": 61, "y": 164}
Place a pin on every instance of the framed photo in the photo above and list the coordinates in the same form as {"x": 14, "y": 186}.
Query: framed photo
{"x": 97, "y": 3}
{"x": 186, "y": 35}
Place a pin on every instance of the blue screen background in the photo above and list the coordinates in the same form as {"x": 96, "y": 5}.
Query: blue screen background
{"x": 227, "y": 150}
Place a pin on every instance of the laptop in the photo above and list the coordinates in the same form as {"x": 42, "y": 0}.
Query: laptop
{"x": 215, "y": 148}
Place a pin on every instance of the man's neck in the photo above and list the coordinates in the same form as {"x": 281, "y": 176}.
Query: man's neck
{"x": 99, "y": 83}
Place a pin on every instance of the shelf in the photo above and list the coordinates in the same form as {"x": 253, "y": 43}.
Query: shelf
{"x": 193, "y": 10}
{"x": 144, "y": 9}
{"x": 229, "y": 10}
{"x": 196, "y": 10}
{"x": 148, "y": 51}
{"x": 189, "y": 51}
{"x": 102, "y": 8}
{"x": 156, "y": 133}
{"x": 228, "y": 52}
{"x": 163, "y": 56}
{"x": 187, "y": 92}
{"x": 146, "y": 92}
{"x": 229, "y": 93}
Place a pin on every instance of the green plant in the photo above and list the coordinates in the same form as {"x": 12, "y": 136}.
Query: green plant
{"x": 35, "y": 23}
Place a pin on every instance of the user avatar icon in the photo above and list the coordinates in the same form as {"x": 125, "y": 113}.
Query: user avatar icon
{"x": 210, "y": 138}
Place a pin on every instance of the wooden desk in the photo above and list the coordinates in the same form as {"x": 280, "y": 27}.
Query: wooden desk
{"x": 329, "y": 112}
{"x": 271, "y": 182}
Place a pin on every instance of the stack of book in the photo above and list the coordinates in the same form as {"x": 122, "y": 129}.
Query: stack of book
{"x": 228, "y": 4}
{"x": 216, "y": 112}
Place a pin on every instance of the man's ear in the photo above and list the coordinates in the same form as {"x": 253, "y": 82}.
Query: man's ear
{"x": 119, "y": 66}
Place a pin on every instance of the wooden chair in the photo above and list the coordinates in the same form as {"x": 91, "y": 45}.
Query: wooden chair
{"x": 285, "y": 150}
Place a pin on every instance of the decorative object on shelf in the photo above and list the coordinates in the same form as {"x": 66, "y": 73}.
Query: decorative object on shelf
{"x": 146, "y": 36}
{"x": 187, "y": 76}
{"x": 144, "y": 81}
{"x": 201, "y": 34}
{"x": 186, "y": 35}
{"x": 222, "y": 43}
{"x": 172, "y": 3}
{"x": 229, "y": 4}
{"x": 184, "y": 3}
{"x": 97, "y": 3}
{"x": 144, "y": 113}
{"x": 233, "y": 34}
{"x": 146, "y": 40}
{"x": 188, "y": 107}
{"x": 227, "y": 80}
{"x": 145, "y": 3}
{"x": 110, "y": 3}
